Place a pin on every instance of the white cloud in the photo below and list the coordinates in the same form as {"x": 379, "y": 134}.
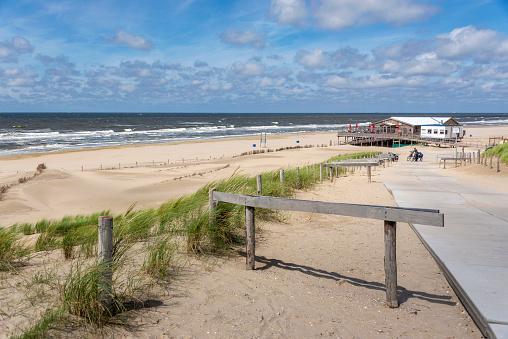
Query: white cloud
{"x": 336, "y": 81}
{"x": 266, "y": 82}
{"x": 499, "y": 72}
{"x": 483, "y": 45}
{"x": 423, "y": 64}
{"x": 18, "y": 73}
{"x": 270, "y": 82}
{"x": 289, "y": 12}
{"x": 243, "y": 38}
{"x": 20, "y": 82}
{"x": 249, "y": 69}
{"x": 133, "y": 41}
{"x": 317, "y": 58}
{"x": 10, "y": 50}
{"x": 339, "y": 14}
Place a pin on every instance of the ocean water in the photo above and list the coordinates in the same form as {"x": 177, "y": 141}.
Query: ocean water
{"x": 23, "y": 133}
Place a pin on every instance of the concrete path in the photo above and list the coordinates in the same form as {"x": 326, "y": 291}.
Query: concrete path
{"x": 472, "y": 248}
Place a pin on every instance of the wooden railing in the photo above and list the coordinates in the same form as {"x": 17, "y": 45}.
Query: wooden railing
{"x": 390, "y": 216}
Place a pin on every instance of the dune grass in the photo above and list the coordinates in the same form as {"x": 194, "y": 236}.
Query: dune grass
{"x": 501, "y": 149}
{"x": 182, "y": 221}
{"x": 12, "y": 250}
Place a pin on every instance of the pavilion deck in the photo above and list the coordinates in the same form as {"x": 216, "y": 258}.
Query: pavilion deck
{"x": 390, "y": 139}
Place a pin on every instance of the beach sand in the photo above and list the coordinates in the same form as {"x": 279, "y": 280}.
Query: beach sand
{"x": 317, "y": 275}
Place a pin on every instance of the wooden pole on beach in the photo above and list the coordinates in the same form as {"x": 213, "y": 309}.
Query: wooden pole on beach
{"x": 298, "y": 177}
{"x": 251, "y": 238}
{"x": 369, "y": 175}
{"x": 391, "y": 263}
{"x": 321, "y": 172}
{"x": 498, "y": 161}
{"x": 105, "y": 259}
{"x": 212, "y": 206}
{"x": 282, "y": 180}
{"x": 491, "y": 162}
{"x": 259, "y": 181}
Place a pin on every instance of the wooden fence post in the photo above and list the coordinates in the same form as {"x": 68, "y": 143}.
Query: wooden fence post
{"x": 498, "y": 160}
{"x": 321, "y": 172}
{"x": 369, "y": 173}
{"x": 485, "y": 160}
{"x": 212, "y": 206}
{"x": 298, "y": 177}
{"x": 391, "y": 263}
{"x": 282, "y": 180}
{"x": 105, "y": 259}
{"x": 259, "y": 181}
{"x": 251, "y": 238}
{"x": 491, "y": 162}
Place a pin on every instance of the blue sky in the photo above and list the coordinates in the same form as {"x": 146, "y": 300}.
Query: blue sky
{"x": 254, "y": 56}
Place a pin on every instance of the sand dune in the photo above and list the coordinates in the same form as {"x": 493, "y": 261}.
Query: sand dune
{"x": 317, "y": 275}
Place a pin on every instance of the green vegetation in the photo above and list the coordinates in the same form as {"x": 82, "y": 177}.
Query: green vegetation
{"x": 501, "y": 149}
{"x": 182, "y": 223}
{"x": 12, "y": 251}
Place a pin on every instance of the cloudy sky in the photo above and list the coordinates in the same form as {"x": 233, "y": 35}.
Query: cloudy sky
{"x": 254, "y": 56}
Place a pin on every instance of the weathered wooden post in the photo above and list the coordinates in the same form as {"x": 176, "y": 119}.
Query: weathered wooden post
{"x": 498, "y": 161}
{"x": 321, "y": 173}
{"x": 481, "y": 160}
{"x": 444, "y": 163}
{"x": 314, "y": 172}
{"x": 491, "y": 162}
{"x": 251, "y": 238}
{"x": 485, "y": 160}
{"x": 282, "y": 180}
{"x": 369, "y": 173}
{"x": 105, "y": 260}
{"x": 259, "y": 181}
{"x": 331, "y": 174}
{"x": 212, "y": 206}
{"x": 298, "y": 177}
{"x": 478, "y": 156}
{"x": 391, "y": 263}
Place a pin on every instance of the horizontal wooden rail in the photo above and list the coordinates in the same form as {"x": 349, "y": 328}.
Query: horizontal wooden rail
{"x": 397, "y": 214}
{"x": 390, "y": 215}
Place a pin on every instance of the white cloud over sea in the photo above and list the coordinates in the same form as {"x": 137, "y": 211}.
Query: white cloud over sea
{"x": 280, "y": 55}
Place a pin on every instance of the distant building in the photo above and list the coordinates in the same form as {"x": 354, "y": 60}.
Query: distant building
{"x": 424, "y": 127}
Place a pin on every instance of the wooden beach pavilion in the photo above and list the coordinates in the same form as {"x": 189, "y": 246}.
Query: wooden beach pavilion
{"x": 397, "y": 131}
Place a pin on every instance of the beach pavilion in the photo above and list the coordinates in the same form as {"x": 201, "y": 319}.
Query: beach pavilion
{"x": 441, "y": 127}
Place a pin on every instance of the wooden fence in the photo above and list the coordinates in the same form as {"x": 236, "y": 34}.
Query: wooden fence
{"x": 390, "y": 216}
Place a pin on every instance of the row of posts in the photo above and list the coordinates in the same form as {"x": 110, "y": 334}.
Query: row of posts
{"x": 105, "y": 234}
{"x": 481, "y": 159}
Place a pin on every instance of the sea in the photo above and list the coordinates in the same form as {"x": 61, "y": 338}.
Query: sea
{"x": 24, "y": 133}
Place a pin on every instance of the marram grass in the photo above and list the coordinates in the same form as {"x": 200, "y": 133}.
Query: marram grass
{"x": 501, "y": 149}
{"x": 163, "y": 229}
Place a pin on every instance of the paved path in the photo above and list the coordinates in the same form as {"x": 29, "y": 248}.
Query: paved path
{"x": 472, "y": 248}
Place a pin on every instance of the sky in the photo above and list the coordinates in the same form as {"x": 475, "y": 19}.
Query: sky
{"x": 336, "y": 56}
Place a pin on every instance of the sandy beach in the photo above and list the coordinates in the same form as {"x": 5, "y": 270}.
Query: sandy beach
{"x": 316, "y": 275}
